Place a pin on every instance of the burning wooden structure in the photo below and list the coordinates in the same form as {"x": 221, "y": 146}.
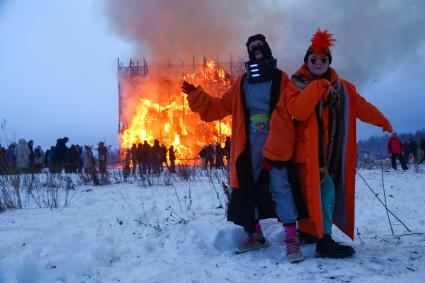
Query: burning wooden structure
{"x": 152, "y": 105}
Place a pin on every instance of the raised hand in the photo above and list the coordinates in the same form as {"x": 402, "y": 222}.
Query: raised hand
{"x": 187, "y": 87}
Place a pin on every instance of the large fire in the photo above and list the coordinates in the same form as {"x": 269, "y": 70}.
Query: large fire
{"x": 162, "y": 112}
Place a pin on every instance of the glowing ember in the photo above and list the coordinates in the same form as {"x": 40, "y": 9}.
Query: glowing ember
{"x": 161, "y": 112}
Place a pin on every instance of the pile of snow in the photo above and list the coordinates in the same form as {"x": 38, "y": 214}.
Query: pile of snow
{"x": 178, "y": 233}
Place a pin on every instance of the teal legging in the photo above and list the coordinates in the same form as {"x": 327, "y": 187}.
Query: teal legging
{"x": 327, "y": 196}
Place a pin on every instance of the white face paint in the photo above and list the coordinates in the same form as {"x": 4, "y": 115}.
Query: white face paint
{"x": 317, "y": 64}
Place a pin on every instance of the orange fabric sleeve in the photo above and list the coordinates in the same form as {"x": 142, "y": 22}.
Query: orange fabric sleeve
{"x": 211, "y": 108}
{"x": 301, "y": 104}
{"x": 279, "y": 145}
{"x": 368, "y": 113}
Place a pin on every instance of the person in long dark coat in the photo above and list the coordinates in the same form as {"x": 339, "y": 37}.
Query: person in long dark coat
{"x": 172, "y": 157}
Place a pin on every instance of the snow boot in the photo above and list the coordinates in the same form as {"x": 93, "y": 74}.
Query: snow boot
{"x": 328, "y": 248}
{"x": 293, "y": 250}
{"x": 254, "y": 241}
{"x": 306, "y": 238}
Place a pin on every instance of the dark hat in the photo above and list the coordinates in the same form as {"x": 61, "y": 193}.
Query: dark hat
{"x": 258, "y": 36}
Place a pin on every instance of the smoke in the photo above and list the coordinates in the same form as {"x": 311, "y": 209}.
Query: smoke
{"x": 374, "y": 37}
{"x": 176, "y": 30}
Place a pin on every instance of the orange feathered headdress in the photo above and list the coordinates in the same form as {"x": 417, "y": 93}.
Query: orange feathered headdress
{"x": 320, "y": 44}
{"x": 322, "y": 41}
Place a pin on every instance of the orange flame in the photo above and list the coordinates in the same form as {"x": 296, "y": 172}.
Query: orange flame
{"x": 171, "y": 121}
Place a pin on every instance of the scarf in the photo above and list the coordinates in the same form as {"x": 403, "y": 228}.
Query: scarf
{"x": 330, "y": 161}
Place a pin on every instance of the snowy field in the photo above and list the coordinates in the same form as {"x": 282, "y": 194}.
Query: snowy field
{"x": 175, "y": 231}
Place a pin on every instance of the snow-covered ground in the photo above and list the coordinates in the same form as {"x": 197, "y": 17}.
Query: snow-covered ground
{"x": 178, "y": 233}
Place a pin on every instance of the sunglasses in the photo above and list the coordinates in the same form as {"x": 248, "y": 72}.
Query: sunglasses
{"x": 324, "y": 60}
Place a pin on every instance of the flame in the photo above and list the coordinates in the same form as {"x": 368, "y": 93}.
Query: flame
{"x": 170, "y": 120}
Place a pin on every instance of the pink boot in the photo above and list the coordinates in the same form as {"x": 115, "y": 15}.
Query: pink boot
{"x": 293, "y": 250}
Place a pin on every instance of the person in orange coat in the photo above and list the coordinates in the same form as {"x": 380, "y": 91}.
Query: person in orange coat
{"x": 262, "y": 144}
{"x": 325, "y": 108}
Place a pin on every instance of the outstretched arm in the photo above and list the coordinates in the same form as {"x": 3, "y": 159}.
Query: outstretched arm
{"x": 368, "y": 113}
{"x": 209, "y": 108}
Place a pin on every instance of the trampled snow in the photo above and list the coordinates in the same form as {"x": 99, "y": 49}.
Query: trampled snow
{"x": 176, "y": 231}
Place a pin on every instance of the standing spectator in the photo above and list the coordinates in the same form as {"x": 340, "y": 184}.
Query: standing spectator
{"x": 127, "y": 161}
{"x": 210, "y": 155}
{"x": 3, "y": 161}
{"x": 227, "y": 149}
{"x": 172, "y": 157}
{"x": 203, "y": 156}
{"x": 89, "y": 164}
{"x": 134, "y": 158}
{"x": 46, "y": 157}
{"x": 102, "y": 157}
{"x": 38, "y": 159}
{"x": 88, "y": 159}
{"x": 79, "y": 158}
{"x": 49, "y": 159}
{"x": 164, "y": 156}
{"x": 140, "y": 157}
{"x": 11, "y": 158}
{"x": 156, "y": 157}
{"x": 146, "y": 159}
{"x": 413, "y": 148}
{"x": 219, "y": 156}
{"x": 395, "y": 148}
{"x": 422, "y": 146}
{"x": 60, "y": 155}
{"x": 73, "y": 159}
{"x": 406, "y": 152}
{"x": 22, "y": 153}
{"x": 31, "y": 156}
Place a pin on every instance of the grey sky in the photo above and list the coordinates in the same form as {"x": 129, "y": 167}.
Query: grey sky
{"x": 58, "y": 58}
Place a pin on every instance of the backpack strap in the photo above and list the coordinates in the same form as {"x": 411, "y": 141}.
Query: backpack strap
{"x": 275, "y": 89}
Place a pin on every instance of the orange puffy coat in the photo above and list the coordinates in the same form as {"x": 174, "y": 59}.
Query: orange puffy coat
{"x": 301, "y": 105}
{"x": 280, "y": 141}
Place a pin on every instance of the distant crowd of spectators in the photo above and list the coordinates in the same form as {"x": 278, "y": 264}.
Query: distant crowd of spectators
{"x": 23, "y": 157}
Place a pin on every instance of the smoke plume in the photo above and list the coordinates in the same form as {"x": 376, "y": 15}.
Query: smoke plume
{"x": 373, "y": 37}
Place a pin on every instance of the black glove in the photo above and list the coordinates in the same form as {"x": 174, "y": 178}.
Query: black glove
{"x": 187, "y": 87}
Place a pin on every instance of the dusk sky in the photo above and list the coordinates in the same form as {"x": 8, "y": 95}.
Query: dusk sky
{"x": 58, "y": 58}
{"x": 58, "y": 72}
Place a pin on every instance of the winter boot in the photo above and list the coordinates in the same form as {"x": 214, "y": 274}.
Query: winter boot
{"x": 293, "y": 250}
{"x": 327, "y": 247}
{"x": 254, "y": 241}
{"x": 306, "y": 238}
